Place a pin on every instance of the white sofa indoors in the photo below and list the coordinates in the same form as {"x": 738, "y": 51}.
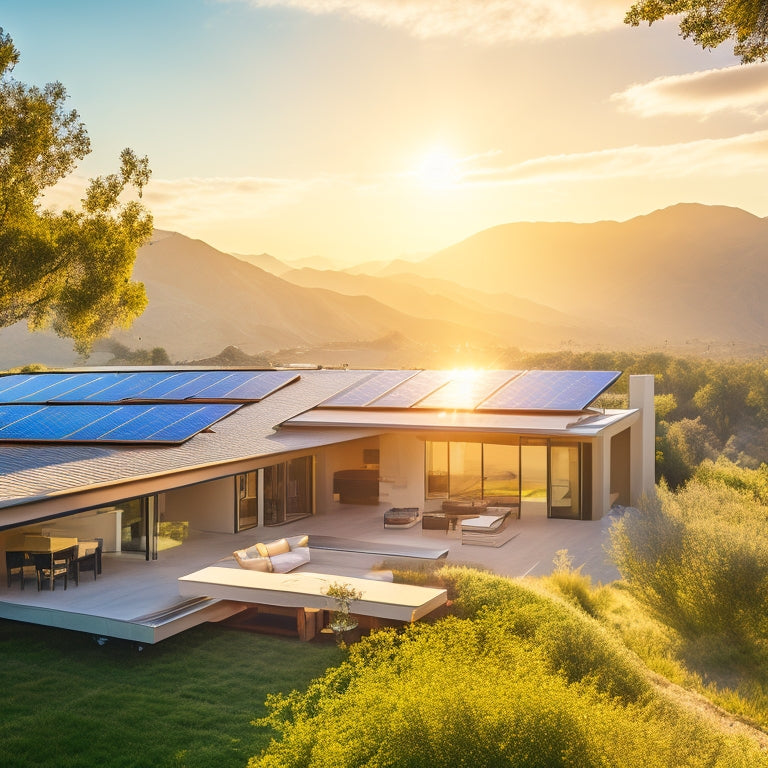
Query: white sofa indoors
{"x": 279, "y": 556}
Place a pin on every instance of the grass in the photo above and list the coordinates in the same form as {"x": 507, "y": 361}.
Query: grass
{"x": 732, "y": 678}
{"x": 187, "y": 702}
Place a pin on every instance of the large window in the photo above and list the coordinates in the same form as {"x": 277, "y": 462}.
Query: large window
{"x": 473, "y": 471}
{"x": 285, "y": 492}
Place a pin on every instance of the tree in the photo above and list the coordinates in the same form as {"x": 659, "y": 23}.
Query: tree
{"x": 712, "y": 22}
{"x": 69, "y": 271}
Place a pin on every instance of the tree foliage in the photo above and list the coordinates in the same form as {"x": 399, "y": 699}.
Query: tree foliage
{"x": 704, "y": 408}
{"x": 710, "y": 23}
{"x": 70, "y": 271}
{"x": 519, "y": 679}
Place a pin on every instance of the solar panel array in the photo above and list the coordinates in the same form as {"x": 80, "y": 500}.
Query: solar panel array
{"x": 476, "y": 390}
{"x": 551, "y": 391}
{"x": 369, "y": 389}
{"x": 143, "y": 386}
{"x": 136, "y": 407}
{"x": 108, "y": 423}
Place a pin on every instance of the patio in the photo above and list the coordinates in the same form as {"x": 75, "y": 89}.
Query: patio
{"x": 139, "y": 600}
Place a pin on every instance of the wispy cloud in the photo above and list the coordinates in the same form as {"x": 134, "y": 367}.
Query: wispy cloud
{"x": 177, "y": 202}
{"x": 181, "y": 203}
{"x": 733, "y": 156}
{"x": 484, "y": 21}
{"x": 739, "y": 88}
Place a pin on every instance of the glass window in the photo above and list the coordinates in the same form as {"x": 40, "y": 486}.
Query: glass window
{"x": 298, "y": 501}
{"x": 437, "y": 470}
{"x": 247, "y": 501}
{"x": 274, "y": 494}
{"x": 465, "y": 461}
{"x": 564, "y": 481}
{"x": 501, "y": 473}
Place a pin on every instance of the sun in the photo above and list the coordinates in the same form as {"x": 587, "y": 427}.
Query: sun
{"x": 438, "y": 168}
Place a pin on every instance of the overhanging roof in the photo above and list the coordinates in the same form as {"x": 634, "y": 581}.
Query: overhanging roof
{"x": 583, "y": 424}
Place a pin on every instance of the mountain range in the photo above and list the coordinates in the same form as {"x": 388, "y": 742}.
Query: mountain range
{"x": 685, "y": 278}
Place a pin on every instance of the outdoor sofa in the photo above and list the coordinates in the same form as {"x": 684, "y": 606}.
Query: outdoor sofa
{"x": 280, "y": 556}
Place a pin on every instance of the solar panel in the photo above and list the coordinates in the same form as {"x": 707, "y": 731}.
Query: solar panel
{"x": 551, "y": 390}
{"x": 88, "y": 387}
{"x": 191, "y": 384}
{"x": 192, "y": 422}
{"x": 108, "y": 423}
{"x": 258, "y": 387}
{"x": 412, "y": 390}
{"x": 38, "y": 387}
{"x": 159, "y": 385}
{"x": 9, "y": 383}
{"x": 466, "y": 389}
{"x": 47, "y": 422}
{"x": 59, "y": 386}
{"x": 370, "y": 388}
{"x": 124, "y": 386}
{"x": 247, "y": 385}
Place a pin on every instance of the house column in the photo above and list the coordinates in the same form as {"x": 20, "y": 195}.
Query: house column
{"x": 643, "y": 437}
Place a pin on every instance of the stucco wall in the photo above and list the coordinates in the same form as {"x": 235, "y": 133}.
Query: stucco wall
{"x": 401, "y": 474}
{"x": 205, "y": 506}
{"x": 333, "y": 458}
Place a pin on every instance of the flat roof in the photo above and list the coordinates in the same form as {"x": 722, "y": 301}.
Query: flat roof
{"x": 287, "y": 421}
{"x": 584, "y": 424}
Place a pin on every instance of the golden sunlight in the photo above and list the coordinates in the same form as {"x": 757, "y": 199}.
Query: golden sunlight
{"x": 438, "y": 168}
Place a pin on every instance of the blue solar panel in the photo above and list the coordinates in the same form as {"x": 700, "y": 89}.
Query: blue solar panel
{"x": 47, "y": 422}
{"x": 89, "y": 388}
{"x": 192, "y": 422}
{"x": 159, "y": 385}
{"x": 108, "y": 423}
{"x": 12, "y": 414}
{"x": 38, "y": 387}
{"x": 551, "y": 390}
{"x": 60, "y": 386}
{"x": 416, "y": 388}
{"x": 192, "y": 383}
{"x": 9, "y": 383}
{"x": 373, "y": 386}
{"x": 124, "y": 387}
{"x": 254, "y": 387}
{"x": 466, "y": 389}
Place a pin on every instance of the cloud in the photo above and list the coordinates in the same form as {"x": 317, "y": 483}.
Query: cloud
{"x": 746, "y": 154}
{"x": 176, "y": 202}
{"x": 484, "y": 21}
{"x": 738, "y": 88}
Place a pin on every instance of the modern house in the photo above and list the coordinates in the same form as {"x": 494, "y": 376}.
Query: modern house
{"x": 136, "y": 458}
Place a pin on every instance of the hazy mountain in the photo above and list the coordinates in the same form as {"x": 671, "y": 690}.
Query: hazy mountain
{"x": 264, "y": 261}
{"x": 513, "y": 321}
{"x": 685, "y": 278}
{"x": 685, "y": 272}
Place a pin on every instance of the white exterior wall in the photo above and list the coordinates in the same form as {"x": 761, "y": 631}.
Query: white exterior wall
{"x": 643, "y": 437}
{"x": 333, "y": 458}
{"x": 401, "y": 473}
{"x": 205, "y": 506}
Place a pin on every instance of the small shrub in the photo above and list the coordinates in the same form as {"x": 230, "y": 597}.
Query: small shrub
{"x": 698, "y": 559}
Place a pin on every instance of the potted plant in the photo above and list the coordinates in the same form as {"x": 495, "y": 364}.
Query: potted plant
{"x": 343, "y": 595}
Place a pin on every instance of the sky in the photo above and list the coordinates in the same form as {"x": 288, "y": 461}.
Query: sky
{"x": 363, "y": 130}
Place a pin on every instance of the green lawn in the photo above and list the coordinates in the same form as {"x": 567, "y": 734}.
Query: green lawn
{"x": 187, "y": 702}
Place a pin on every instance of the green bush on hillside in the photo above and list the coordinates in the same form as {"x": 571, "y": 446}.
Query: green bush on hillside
{"x": 698, "y": 559}
{"x": 499, "y": 686}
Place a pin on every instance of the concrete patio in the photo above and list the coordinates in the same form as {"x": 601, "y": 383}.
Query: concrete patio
{"x": 140, "y": 600}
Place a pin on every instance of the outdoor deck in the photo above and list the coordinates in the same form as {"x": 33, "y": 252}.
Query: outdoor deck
{"x": 140, "y": 601}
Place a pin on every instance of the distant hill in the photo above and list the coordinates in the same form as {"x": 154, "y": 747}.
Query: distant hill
{"x": 689, "y": 272}
{"x": 266, "y": 262}
{"x": 686, "y": 278}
